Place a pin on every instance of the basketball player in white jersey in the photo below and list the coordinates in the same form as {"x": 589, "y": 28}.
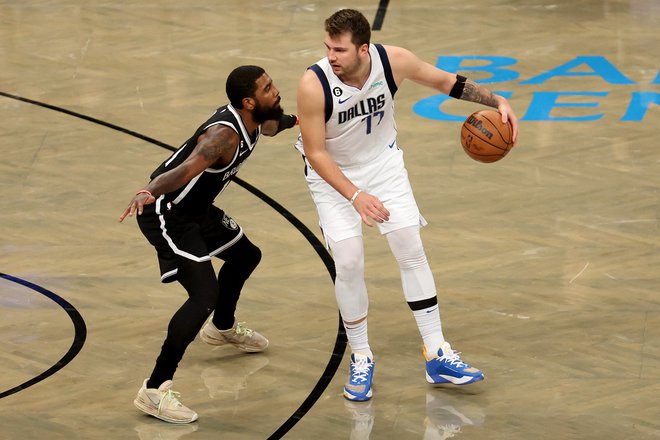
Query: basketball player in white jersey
{"x": 356, "y": 174}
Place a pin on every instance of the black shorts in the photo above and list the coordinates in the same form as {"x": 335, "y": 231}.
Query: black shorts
{"x": 196, "y": 238}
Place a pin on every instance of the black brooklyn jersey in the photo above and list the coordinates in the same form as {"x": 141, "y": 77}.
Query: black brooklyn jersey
{"x": 199, "y": 193}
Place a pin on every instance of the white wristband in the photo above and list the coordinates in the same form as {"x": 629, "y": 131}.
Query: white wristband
{"x": 355, "y": 195}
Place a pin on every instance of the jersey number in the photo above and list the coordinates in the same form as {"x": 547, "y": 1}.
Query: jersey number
{"x": 367, "y": 118}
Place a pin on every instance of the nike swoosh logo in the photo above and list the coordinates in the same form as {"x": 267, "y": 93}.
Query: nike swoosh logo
{"x": 456, "y": 380}
{"x": 156, "y": 403}
{"x": 392, "y": 145}
{"x": 340, "y": 101}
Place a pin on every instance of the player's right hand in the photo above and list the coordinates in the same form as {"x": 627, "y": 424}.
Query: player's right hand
{"x": 137, "y": 204}
{"x": 508, "y": 115}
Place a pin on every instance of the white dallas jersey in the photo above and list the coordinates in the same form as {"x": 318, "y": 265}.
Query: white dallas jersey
{"x": 359, "y": 123}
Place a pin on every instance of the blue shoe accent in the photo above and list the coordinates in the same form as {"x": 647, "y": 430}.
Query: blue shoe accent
{"x": 447, "y": 367}
{"x": 360, "y": 377}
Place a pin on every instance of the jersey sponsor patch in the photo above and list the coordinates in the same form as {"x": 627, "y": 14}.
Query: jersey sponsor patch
{"x": 376, "y": 84}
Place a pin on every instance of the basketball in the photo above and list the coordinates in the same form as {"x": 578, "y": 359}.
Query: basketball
{"x": 485, "y": 138}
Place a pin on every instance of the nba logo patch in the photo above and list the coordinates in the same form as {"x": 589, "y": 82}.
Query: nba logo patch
{"x": 229, "y": 222}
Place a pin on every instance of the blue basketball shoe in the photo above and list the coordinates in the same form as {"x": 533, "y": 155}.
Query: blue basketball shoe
{"x": 358, "y": 387}
{"x": 447, "y": 367}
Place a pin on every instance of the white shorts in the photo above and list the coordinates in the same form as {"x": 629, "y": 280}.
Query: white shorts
{"x": 385, "y": 178}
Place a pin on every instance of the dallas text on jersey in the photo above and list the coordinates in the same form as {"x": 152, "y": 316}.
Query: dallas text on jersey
{"x": 365, "y": 107}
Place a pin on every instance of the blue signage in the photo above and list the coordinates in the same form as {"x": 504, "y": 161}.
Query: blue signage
{"x": 544, "y": 105}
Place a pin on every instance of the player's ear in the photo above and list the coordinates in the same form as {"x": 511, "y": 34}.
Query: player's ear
{"x": 249, "y": 103}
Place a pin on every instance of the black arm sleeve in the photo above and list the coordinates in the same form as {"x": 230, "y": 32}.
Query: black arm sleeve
{"x": 457, "y": 90}
{"x": 287, "y": 121}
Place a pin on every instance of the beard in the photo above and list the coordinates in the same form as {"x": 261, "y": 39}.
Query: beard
{"x": 262, "y": 114}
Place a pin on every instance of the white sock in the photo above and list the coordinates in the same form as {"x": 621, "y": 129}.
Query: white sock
{"x": 428, "y": 322}
{"x": 358, "y": 338}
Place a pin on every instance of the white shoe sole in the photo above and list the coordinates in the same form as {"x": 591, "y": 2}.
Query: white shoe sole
{"x": 353, "y": 398}
{"x": 219, "y": 342}
{"x": 465, "y": 380}
{"x": 147, "y": 408}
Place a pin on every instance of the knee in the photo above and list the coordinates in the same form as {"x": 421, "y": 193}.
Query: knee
{"x": 411, "y": 256}
{"x": 199, "y": 281}
{"x": 413, "y": 260}
{"x": 349, "y": 266}
{"x": 252, "y": 256}
{"x": 244, "y": 253}
{"x": 348, "y": 256}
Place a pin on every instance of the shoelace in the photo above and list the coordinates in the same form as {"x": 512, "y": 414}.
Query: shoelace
{"x": 360, "y": 370}
{"x": 242, "y": 330}
{"x": 453, "y": 357}
{"x": 172, "y": 397}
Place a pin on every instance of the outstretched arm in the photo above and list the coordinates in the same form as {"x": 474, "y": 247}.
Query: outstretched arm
{"x": 272, "y": 127}
{"x": 311, "y": 105}
{"x": 215, "y": 145}
{"x": 406, "y": 65}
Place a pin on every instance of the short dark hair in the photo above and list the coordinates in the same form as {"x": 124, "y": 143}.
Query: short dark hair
{"x": 242, "y": 83}
{"x": 349, "y": 20}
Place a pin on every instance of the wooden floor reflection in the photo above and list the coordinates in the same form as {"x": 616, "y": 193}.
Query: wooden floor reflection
{"x": 547, "y": 262}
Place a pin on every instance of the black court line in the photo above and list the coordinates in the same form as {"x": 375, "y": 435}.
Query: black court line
{"x": 380, "y": 15}
{"x": 340, "y": 341}
{"x": 87, "y": 118}
{"x": 80, "y": 334}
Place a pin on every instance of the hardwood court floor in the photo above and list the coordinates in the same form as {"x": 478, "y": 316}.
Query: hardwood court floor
{"x": 547, "y": 262}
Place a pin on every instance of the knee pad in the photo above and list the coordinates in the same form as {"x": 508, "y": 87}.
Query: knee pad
{"x": 407, "y": 248}
{"x": 349, "y": 258}
{"x": 416, "y": 276}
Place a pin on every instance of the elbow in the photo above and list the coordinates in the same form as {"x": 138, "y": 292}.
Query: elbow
{"x": 314, "y": 157}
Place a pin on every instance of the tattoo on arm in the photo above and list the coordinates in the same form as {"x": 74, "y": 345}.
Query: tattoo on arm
{"x": 475, "y": 93}
{"x": 217, "y": 144}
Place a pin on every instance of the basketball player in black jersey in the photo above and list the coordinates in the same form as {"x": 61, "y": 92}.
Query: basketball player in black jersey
{"x": 177, "y": 216}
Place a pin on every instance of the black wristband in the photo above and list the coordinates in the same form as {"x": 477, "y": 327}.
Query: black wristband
{"x": 287, "y": 121}
{"x": 457, "y": 90}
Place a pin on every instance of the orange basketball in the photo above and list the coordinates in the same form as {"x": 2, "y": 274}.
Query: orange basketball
{"x": 485, "y": 138}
